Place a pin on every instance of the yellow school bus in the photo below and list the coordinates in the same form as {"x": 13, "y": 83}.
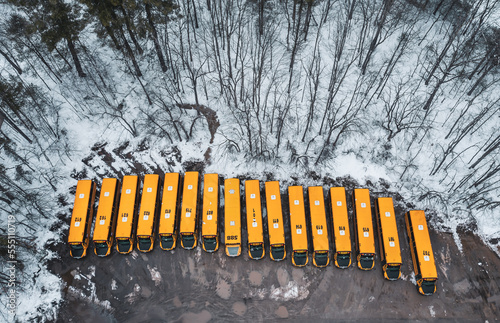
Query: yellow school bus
{"x": 189, "y": 215}
{"x": 277, "y": 250}
{"x": 255, "y": 228}
{"x": 298, "y": 227}
{"x": 390, "y": 251}
{"x": 210, "y": 214}
{"x": 105, "y": 223}
{"x": 127, "y": 222}
{"x": 232, "y": 217}
{"x": 146, "y": 224}
{"x": 363, "y": 228}
{"x": 421, "y": 252}
{"x": 81, "y": 218}
{"x": 341, "y": 230}
{"x": 321, "y": 244}
{"x": 167, "y": 228}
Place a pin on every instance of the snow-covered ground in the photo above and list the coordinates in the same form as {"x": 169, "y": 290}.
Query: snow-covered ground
{"x": 328, "y": 119}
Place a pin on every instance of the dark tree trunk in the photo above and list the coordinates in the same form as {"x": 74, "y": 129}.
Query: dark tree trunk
{"x": 131, "y": 55}
{"x": 130, "y": 32}
{"x": 380, "y": 23}
{"x": 155, "y": 38}
{"x": 11, "y": 62}
{"x": 111, "y": 34}
{"x": 72, "y": 50}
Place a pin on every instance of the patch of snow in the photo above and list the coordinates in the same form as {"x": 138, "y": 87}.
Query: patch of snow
{"x": 155, "y": 275}
{"x": 431, "y": 311}
{"x": 413, "y": 280}
{"x": 292, "y": 291}
{"x": 257, "y": 293}
{"x": 132, "y": 296}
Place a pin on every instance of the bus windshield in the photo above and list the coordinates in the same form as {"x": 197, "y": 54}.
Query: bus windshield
{"x": 392, "y": 271}
{"x": 321, "y": 258}
{"x": 167, "y": 241}
{"x": 188, "y": 240}
{"x": 278, "y": 251}
{"x": 144, "y": 243}
{"x": 123, "y": 245}
{"x": 210, "y": 243}
{"x": 366, "y": 260}
{"x": 428, "y": 286}
{"x": 300, "y": 258}
{"x": 101, "y": 248}
{"x": 233, "y": 251}
{"x": 77, "y": 250}
{"x": 256, "y": 250}
{"x": 343, "y": 259}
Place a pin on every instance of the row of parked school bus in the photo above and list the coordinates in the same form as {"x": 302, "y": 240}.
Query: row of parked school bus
{"x": 177, "y": 219}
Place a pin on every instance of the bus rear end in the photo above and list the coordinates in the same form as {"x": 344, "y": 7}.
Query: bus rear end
{"x": 255, "y": 228}
{"x": 232, "y": 217}
{"x": 210, "y": 214}
{"x": 126, "y": 222}
{"x": 298, "y": 226}
{"x": 189, "y": 215}
{"x": 341, "y": 231}
{"x": 321, "y": 243}
{"x": 81, "y": 218}
{"x": 277, "y": 250}
{"x": 105, "y": 224}
{"x": 421, "y": 252}
{"x": 147, "y": 215}
{"x": 363, "y": 227}
{"x": 390, "y": 251}
{"x": 167, "y": 227}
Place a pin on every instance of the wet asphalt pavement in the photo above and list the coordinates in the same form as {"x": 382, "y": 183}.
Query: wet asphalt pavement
{"x": 194, "y": 286}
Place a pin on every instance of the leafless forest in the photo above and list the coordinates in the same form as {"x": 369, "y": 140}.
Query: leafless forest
{"x": 410, "y": 86}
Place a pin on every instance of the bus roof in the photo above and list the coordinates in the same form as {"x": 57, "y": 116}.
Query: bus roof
{"x": 390, "y": 238}
{"x": 255, "y": 229}
{"x": 85, "y": 192}
{"x": 318, "y": 218}
{"x": 340, "y": 217}
{"x": 210, "y": 205}
{"x": 297, "y": 218}
{"x": 106, "y": 210}
{"x": 128, "y": 200}
{"x": 425, "y": 254}
{"x": 232, "y": 211}
{"x": 274, "y": 213}
{"x": 168, "y": 210}
{"x": 364, "y": 221}
{"x": 189, "y": 203}
{"x": 145, "y": 223}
